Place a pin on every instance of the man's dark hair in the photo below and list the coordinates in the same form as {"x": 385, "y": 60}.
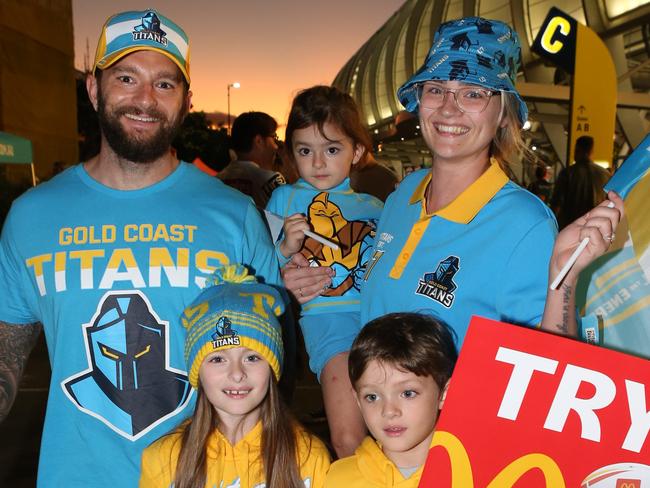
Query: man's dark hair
{"x": 247, "y": 126}
{"x": 412, "y": 342}
{"x": 583, "y": 147}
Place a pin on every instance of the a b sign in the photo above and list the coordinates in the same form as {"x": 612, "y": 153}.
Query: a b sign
{"x": 531, "y": 409}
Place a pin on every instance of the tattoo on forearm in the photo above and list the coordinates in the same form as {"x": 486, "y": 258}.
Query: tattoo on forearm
{"x": 16, "y": 342}
{"x": 567, "y": 292}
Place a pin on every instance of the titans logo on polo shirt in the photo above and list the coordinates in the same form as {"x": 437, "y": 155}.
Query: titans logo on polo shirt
{"x": 439, "y": 285}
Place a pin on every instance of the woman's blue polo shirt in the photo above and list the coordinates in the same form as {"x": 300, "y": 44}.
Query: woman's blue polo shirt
{"x": 486, "y": 253}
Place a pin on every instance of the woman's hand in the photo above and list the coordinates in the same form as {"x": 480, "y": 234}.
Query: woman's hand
{"x": 294, "y": 234}
{"x": 303, "y": 281}
{"x": 599, "y": 225}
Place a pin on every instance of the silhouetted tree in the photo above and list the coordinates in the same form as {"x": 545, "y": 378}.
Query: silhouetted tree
{"x": 87, "y": 123}
{"x": 197, "y": 139}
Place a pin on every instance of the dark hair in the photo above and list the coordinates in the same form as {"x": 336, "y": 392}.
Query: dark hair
{"x": 247, "y": 126}
{"x": 414, "y": 342}
{"x": 321, "y": 104}
{"x": 584, "y": 146}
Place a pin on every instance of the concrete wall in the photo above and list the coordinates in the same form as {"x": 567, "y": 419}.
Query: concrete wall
{"x": 37, "y": 86}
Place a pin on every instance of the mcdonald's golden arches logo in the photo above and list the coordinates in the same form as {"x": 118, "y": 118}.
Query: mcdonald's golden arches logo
{"x": 620, "y": 475}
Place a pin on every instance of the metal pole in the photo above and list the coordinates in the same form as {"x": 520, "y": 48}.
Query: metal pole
{"x": 228, "y": 109}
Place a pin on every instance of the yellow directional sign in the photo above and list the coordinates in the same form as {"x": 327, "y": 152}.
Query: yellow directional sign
{"x": 578, "y": 50}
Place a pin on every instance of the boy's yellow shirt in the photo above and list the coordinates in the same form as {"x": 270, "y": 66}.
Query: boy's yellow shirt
{"x": 369, "y": 467}
{"x": 237, "y": 466}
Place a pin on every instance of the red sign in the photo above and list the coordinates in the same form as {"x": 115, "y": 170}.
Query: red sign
{"x": 531, "y": 409}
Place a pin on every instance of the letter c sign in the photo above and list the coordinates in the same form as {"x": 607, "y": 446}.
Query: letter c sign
{"x": 555, "y": 24}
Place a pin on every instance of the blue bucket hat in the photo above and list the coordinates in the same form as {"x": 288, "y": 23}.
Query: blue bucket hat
{"x": 146, "y": 30}
{"x": 472, "y": 50}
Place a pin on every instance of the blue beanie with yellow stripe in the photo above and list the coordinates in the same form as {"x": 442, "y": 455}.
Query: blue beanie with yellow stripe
{"x": 234, "y": 310}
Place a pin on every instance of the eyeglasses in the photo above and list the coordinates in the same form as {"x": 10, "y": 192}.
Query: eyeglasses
{"x": 470, "y": 99}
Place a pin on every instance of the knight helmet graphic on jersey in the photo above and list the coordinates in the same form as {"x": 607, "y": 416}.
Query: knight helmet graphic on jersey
{"x": 129, "y": 385}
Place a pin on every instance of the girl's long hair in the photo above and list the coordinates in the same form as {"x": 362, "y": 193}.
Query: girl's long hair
{"x": 279, "y": 446}
{"x": 279, "y": 442}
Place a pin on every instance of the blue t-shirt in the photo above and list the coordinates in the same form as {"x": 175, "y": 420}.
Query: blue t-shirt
{"x": 108, "y": 273}
{"x": 486, "y": 253}
{"x": 342, "y": 216}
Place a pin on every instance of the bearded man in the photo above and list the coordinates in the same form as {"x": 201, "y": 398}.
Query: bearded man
{"x": 108, "y": 253}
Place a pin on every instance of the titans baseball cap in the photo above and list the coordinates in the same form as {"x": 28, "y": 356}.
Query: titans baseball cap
{"x": 472, "y": 50}
{"x": 147, "y": 30}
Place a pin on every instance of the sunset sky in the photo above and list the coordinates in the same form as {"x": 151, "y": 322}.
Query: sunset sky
{"x": 273, "y": 48}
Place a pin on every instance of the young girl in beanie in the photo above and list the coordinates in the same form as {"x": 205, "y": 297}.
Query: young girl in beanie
{"x": 240, "y": 435}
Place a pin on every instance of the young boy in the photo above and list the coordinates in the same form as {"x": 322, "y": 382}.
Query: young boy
{"x": 400, "y": 365}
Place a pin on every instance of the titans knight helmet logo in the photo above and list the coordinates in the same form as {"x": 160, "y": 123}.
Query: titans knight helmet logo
{"x": 224, "y": 334}
{"x": 150, "y": 30}
{"x": 439, "y": 285}
{"x": 129, "y": 384}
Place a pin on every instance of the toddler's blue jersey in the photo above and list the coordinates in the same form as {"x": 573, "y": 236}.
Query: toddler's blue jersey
{"x": 486, "y": 253}
{"x": 108, "y": 274}
{"x": 340, "y": 215}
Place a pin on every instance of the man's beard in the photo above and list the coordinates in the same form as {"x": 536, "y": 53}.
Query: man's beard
{"x": 129, "y": 146}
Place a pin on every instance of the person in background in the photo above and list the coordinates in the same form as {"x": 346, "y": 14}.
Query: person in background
{"x": 374, "y": 179}
{"x": 579, "y": 187}
{"x": 284, "y": 165}
{"x": 254, "y": 140}
{"x": 541, "y": 187}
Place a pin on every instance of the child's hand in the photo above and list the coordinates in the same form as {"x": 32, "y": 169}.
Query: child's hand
{"x": 599, "y": 225}
{"x": 294, "y": 227}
